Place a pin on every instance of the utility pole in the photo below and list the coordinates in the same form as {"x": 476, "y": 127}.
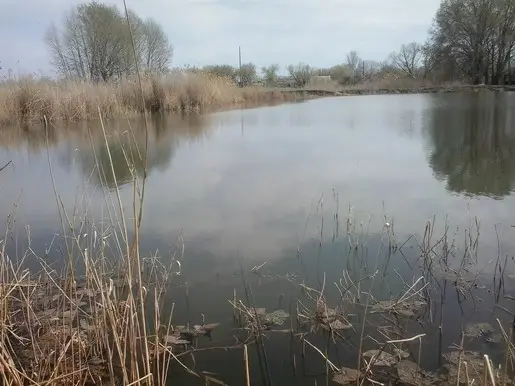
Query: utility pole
{"x": 239, "y": 59}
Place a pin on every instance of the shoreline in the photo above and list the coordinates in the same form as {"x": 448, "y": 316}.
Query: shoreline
{"x": 28, "y": 103}
{"x": 320, "y": 93}
{"x": 275, "y": 97}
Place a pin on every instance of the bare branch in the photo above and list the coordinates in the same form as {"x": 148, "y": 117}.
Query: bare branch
{"x": 408, "y": 58}
{"x": 95, "y": 44}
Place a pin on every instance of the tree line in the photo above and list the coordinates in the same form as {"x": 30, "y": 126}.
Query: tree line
{"x": 469, "y": 40}
{"x": 472, "y": 39}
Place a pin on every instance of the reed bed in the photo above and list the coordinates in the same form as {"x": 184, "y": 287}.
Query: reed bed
{"x": 28, "y": 99}
{"x": 98, "y": 318}
{"x": 87, "y": 323}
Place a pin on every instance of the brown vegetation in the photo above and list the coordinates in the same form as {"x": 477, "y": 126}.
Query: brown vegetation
{"x": 29, "y": 100}
{"x": 105, "y": 319}
{"x": 100, "y": 317}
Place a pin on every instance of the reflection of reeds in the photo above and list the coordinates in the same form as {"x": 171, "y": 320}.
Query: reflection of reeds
{"x": 79, "y": 134}
{"x": 86, "y": 329}
{"x": 441, "y": 261}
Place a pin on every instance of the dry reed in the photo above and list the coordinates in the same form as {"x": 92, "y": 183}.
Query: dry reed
{"x": 29, "y": 99}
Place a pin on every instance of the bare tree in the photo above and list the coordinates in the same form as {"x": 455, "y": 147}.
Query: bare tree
{"x": 408, "y": 58}
{"x": 157, "y": 51}
{"x": 300, "y": 73}
{"x": 503, "y": 39}
{"x": 53, "y": 43}
{"x": 94, "y": 43}
{"x": 475, "y": 38}
{"x": 247, "y": 74}
{"x": 370, "y": 68}
{"x": 354, "y": 62}
{"x": 270, "y": 74}
{"x": 461, "y": 31}
{"x": 127, "y": 59}
{"x": 429, "y": 58}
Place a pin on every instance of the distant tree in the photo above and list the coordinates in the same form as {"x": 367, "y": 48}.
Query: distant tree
{"x": 94, "y": 43}
{"x": 300, "y": 73}
{"x": 247, "y": 74}
{"x": 354, "y": 63}
{"x": 270, "y": 74}
{"x": 341, "y": 73}
{"x": 474, "y": 38}
{"x": 408, "y": 58}
{"x": 156, "y": 50}
{"x": 221, "y": 70}
{"x": 370, "y": 68}
{"x": 429, "y": 58}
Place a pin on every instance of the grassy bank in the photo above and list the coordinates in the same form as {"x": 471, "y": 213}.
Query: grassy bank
{"x": 29, "y": 99}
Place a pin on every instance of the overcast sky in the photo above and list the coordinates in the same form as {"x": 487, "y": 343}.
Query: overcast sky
{"x": 319, "y": 32}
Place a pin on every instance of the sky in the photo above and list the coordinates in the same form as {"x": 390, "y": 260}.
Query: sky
{"x": 317, "y": 32}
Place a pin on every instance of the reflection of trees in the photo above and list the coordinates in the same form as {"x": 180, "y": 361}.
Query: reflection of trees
{"x": 128, "y": 159}
{"x": 473, "y": 143}
{"x": 127, "y": 149}
{"x": 83, "y": 143}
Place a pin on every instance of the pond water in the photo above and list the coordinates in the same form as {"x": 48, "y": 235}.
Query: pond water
{"x": 305, "y": 191}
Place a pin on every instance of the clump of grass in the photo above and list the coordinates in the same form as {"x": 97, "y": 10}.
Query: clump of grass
{"x": 62, "y": 328}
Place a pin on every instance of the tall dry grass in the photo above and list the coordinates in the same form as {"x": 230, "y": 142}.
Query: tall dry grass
{"x": 29, "y": 99}
{"x": 98, "y": 319}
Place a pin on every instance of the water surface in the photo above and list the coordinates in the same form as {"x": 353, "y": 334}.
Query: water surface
{"x": 247, "y": 186}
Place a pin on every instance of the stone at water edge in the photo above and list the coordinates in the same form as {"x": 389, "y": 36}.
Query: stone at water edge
{"x": 346, "y": 377}
{"x": 380, "y": 358}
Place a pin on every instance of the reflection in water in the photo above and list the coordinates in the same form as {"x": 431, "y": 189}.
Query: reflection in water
{"x": 74, "y": 151}
{"x": 250, "y": 187}
{"x": 126, "y": 141}
{"x": 290, "y": 185}
{"x": 473, "y": 142}
{"x": 128, "y": 152}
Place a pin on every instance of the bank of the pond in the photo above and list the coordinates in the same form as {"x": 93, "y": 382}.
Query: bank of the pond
{"x": 364, "y": 90}
{"x": 30, "y": 100}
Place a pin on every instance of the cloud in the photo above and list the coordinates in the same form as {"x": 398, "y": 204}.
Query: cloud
{"x": 210, "y": 31}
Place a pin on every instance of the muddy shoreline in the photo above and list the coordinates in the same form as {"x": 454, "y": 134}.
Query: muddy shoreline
{"x": 320, "y": 93}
